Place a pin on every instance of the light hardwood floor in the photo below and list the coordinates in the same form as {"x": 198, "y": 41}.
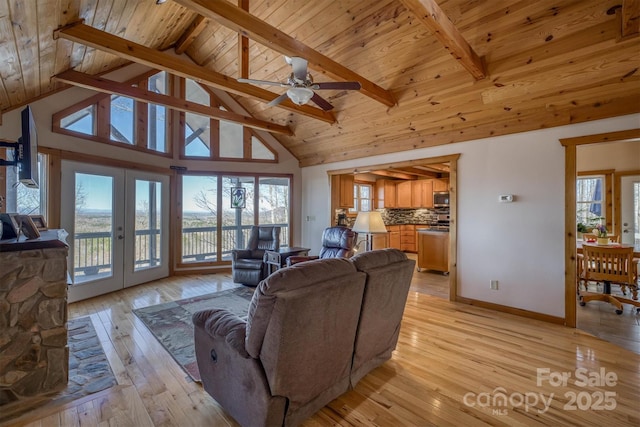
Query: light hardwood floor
{"x": 446, "y": 352}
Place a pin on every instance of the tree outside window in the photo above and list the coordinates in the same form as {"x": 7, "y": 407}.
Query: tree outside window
{"x": 590, "y": 200}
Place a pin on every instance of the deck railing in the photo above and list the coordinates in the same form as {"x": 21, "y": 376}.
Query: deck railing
{"x": 92, "y": 251}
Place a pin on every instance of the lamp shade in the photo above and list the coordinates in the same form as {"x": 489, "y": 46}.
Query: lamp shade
{"x": 369, "y": 222}
{"x": 300, "y": 95}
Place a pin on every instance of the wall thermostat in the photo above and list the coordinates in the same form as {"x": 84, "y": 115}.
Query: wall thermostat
{"x": 505, "y": 198}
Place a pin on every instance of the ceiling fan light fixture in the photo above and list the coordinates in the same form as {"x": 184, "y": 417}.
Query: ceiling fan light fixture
{"x": 299, "y": 95}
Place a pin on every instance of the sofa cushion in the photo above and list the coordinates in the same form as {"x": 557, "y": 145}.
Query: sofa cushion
{"x": 389, "y": 274}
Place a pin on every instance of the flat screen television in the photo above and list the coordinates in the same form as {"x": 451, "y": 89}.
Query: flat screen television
{"x": 25, "y": 151}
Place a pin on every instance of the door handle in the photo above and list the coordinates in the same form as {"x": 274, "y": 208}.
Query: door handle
{"x": 120, "y": 237}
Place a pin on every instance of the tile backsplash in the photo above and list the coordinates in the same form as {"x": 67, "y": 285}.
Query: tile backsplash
{"x": 398, "y": 216}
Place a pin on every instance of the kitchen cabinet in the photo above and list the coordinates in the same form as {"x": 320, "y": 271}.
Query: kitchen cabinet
{"x": 433, "y": 250}
{"x": 385, "y": 194}
{"x": 342, "y": 190}
{"x": 441, "y": 184}
{"x": 379, "y": 241}
{"x": 426, "y": 192}
{"x": 394, "y": 236}
{"x": 408, "y": 237}
{"x": 404, "y": 192}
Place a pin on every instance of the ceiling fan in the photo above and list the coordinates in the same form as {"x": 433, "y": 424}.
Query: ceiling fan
{"x": 301, "y": 85}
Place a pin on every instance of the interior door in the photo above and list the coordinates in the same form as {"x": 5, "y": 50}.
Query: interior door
{"x": 630, "y": 209}
{"x": 118, "y": 227}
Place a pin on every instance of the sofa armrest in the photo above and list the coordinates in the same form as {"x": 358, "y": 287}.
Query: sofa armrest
{"x": 294, "y": 259}
{"x": 240, "y": 253}
{"x": 220, "y": 323}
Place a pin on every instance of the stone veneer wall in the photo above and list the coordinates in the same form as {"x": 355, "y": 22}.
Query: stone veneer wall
{"x": 34, "y": 357}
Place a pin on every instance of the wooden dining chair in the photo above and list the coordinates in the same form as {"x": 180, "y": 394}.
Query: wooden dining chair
{"x": 610, "y": 265}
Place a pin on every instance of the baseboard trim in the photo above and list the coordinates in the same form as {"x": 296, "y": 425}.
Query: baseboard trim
{"x": 511, "y": 310}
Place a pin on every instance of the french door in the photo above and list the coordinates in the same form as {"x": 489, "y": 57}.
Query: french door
{"x": 630, "y": 209}
{"x": 118, "y": 225}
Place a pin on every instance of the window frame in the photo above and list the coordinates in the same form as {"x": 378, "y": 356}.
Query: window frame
{"x": 179, "y": 262}
{"x": 357, "y": 196}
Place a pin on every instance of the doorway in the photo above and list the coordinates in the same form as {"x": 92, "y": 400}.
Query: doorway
{"x": 630, "y": 209}
{"x": 118, "y": 222}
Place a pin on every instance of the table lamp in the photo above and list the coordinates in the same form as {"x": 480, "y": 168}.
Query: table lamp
{"x": 369, "y": 223}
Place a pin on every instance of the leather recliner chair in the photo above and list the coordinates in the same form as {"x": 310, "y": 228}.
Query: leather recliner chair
{"x": 248, "y": 265}
{"x": 337, "y": 242}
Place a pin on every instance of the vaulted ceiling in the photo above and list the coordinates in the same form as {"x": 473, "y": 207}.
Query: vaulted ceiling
{"x": 432, "y": 71}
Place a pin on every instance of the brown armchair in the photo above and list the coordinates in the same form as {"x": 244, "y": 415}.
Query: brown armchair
{"x": 337, "y": 242}
{"x": 247, "y": 265}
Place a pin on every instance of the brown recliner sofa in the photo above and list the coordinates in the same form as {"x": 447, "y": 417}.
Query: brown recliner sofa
{"x": 308, "y": 337}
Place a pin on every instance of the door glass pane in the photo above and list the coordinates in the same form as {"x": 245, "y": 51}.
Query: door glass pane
{"x": 199, "y": 218}
{"x": 237, "y": 212}
{"x": 274, "y": 205}
{"x": 93, "y": 227}
{"x": 148, "y": 224}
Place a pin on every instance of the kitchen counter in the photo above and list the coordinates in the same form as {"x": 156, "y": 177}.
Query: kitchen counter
{"x": 433, "y": 250}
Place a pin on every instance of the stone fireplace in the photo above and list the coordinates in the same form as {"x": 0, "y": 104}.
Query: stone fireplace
{"x": 34, "y": 357}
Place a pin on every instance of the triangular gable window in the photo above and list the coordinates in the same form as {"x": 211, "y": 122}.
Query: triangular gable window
{"x": 120, "y": 120}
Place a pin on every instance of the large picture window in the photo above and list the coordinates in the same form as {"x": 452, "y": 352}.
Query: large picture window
{"x": 213, "y": 224}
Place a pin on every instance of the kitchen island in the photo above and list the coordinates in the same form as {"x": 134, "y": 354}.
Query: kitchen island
{"x": 433, "y": 250}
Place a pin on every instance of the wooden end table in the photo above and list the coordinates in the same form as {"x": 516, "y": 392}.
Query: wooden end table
{"x": 278, "y": 259}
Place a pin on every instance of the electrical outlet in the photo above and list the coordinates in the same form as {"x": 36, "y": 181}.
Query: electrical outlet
{"x": 494, "y": 285}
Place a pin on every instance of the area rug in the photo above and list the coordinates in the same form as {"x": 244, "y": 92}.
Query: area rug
{"x": 171, "y": 322}
{"x": 89, "y": 370}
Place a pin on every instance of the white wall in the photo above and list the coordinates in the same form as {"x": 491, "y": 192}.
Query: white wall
{"x": 621, "y": 156}
{"x": 45, "y": 108}
{"x": 520, "y": 244}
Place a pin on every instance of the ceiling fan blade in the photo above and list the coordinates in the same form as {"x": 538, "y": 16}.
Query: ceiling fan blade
{"x": 278, "y": 100}
{"x": 299, "y": 66}
{"x": 337, "y": 85}
{"x": 262, "y": 82}
{"x": 321, "y": 102}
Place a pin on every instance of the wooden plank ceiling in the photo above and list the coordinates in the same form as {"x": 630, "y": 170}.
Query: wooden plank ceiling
{"x": 432, "y": 71}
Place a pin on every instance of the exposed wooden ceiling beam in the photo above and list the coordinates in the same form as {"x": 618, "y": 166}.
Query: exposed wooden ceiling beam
{"x": 418, "y": 172}
{"x": 246, "y": 24}
{"x": 392, "y": 174}
{"x": 630, "y": 17}
{"x": 84, "y": 34}
{"x": 101, "y": 84}
{"x": 430, "y": 14}
{"x": 198, "y": 24}
{"x": 243, "y": 46}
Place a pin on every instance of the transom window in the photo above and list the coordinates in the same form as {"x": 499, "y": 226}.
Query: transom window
{"x": 121, "y": 120}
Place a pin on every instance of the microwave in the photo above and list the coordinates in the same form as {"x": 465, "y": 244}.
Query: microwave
{"x": 440, "y": 199}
